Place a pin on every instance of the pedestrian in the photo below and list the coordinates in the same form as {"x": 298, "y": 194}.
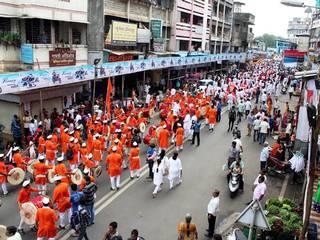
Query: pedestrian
{"x": 12, "y": 233}
{"x": 264, "y": 155}
{"x": 134, "y": 160}
{"x": 219, "y": 110}
{"x": 196, "y": 132}
{"x": 179, "y": 137}
{"x": 112, "y": 233}
{"x": 175, "y": 170}
{"x": 213, "y": 210}
{"x": 260, "y": 189}
{"x": 16, "y": 130}
{"x": 151, "y": 158}
{"x": 212, "y": 118}
{"x": 232, "y": 118}
{"x": 158, "y": 172}
{"x": 241, "y": 109}
{"x": 163, "y": 138}
{"x": 187, "y": 230}
{"x": 264, "y": 128}
{"x": 250, "y": 120}
{"x": 258, "y": 92}
{"x": 290, "y": 91}
{"x": 3, "y": 175}
{"x": 256, "y": 126}
{"x": 26, "y": 122}
{"x": 89, "y": 195}
{"x": 135, "y": 235}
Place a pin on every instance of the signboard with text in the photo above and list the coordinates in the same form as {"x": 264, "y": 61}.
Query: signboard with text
{"x": 26, "y": 53}
{"x": 156, "y": 28}
{"x": 124, "y": 34}
{"x": 62, "y": 57}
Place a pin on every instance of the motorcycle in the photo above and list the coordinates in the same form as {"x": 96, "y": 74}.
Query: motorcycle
{"x": 234, "y": 184}
{"x": 274, "y": 165}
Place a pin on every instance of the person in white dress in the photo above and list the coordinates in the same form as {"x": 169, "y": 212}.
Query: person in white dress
{"x": 158, "y": 172}
{"x": 175, "y": 170}
{"x": 187, "y": 126}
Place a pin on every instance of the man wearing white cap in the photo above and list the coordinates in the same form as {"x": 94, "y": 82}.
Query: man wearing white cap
{"x": 46, "y": 219}
{"x": 23, "y": 197}
{"x": 61, "y": 198}
{"x": 51, "y": 149}
{"x": 40, "y": 174}
{"x": 3, "y": 175}
{"x": 113, "y": 163}
{"x": 134, "y": 160}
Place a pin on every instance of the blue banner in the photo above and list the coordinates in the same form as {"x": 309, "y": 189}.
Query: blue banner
{"x": 26, "y": 53}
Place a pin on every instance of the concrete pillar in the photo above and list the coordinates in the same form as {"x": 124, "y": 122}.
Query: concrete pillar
{"x": 173, "y": 42}
{"x": 53, "y": 33}
{"x": 95, "y": 30}
{"x": 128, "y": 10}
{"x": 70, "y": 34}
{"x": 224, "y": 16}
{"x": 204, "y": 25}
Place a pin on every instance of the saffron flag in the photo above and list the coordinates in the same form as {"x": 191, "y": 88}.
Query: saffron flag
{"x": 108, "y": 97}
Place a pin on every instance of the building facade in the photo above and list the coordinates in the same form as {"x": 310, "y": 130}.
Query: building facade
{"x": 201, "y": 25}
{"x": 298, "y": 32}
{"x": 242, "y": 34}
{"x": 42, "y": 34}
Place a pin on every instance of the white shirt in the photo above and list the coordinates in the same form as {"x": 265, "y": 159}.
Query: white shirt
{"x": 213, "y": 206}
{"x": 32, "y": 128}
{"x": 264, "y": 126}
{"x": 256, "y": 124}
{"x": 259, "y": 190}
{"x": 264, "y": 154}
{"x": 175, "y": 168}
{"x": 26, "y": 120}
{"x": 238, "y": 144}
{"x": 148, "y": 98}
{"x": 248, "y": 105}
{"x": 17, "y": 236}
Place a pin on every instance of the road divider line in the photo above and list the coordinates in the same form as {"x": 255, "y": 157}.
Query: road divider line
{"x": 284, "y": 187}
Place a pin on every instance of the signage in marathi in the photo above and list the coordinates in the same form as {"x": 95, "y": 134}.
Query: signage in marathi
{"x": 120, "y": 58}
{"x": 62, "y": 57}
{"x": 156, "y": 28}
{"x": 26, "y": 53}
{"x": 124, "y": 34}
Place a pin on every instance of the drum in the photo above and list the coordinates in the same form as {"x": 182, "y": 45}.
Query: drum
{"x": 16, "y": 176}
{"x": 28, "y": 210}
{"x": 203, "y": 111}
{"x": 30, "y": 165}
{"x": 3, "y": 230}
{"x": 140, "y": 114}
{"x": 142, "y": 127}
{"x": 51, "y": 174}
{"x": 76, "y": 176}
{"x": 97, "y": 171}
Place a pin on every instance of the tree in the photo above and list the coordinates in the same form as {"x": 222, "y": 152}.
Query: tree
{"x": 269, "y": 39}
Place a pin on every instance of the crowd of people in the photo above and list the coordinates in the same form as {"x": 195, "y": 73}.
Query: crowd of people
{"x": 86, "y": 140}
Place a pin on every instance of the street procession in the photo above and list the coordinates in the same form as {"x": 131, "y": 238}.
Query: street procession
{"x": 193, "y": 139}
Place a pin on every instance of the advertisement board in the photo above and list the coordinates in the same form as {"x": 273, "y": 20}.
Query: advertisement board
{"x": 26, "y": 53}
{"x": 156, "y": 28}
{"x": 124, "y": 34}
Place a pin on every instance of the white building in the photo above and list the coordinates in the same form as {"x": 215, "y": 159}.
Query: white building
{"x": 30, "y": 29}
{"x": 299, "y": 32}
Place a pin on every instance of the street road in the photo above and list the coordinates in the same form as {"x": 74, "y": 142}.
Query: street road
{"x": 133, "y": 206}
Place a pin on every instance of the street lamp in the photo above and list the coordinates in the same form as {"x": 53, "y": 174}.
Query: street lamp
{"x": 95, "y": 63}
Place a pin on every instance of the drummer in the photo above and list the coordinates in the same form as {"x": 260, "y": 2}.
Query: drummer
{"x": 61, "y": 170}
{"x": 40, "y": 174}
{"x": 23, "y": 197}
{"x": 18, "y": 160}
{"x": 3, "y": 175}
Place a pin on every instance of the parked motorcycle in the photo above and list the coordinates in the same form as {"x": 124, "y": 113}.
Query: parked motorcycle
{"x": 274, "y": 165}
{"x": 234, "y": 184}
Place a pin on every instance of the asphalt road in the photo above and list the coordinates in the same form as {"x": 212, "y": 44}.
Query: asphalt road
{"x": 133, "y": 206}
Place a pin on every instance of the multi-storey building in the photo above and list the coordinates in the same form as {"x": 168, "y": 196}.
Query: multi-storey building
{"x": 201, "y": 25}
{"x": 43, "y": 33}
{"x": 298, "y": 32}
{"x": 242, "y": 34}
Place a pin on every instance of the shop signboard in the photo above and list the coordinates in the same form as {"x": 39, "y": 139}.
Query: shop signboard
{"x": 60, "y": 57}
{"x": 124, "y": 34}
{"x": 156, "y": 28}
{"x": 26, "y": 53}
{"x": 144, "y": 35}
{"x": 158, "y": 47}
{"x": 24, "y": 81}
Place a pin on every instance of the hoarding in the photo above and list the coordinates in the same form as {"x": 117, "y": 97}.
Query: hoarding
{"x": 124, "y": 34}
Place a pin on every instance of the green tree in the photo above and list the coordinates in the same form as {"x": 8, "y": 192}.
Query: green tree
{"x": 269, "y": 39}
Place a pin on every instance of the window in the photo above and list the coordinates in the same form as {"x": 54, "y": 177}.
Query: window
{"x": 38, "y": 31}
{"x": 5, "y": 25}
{"x": 237, "y": 27}
{"x": 76, "y": 36}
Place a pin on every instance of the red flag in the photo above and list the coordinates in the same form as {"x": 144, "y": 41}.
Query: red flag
{"x": 108, "y": 97}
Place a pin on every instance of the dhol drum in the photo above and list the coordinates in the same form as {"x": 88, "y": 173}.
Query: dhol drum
{"x": 30, "y": 165}
{"x": 50, "y": 175}
{"x": 3, "y": 230}
{"x": 28, "y": 210}
{"x": 142, "y": 127}
{"x": 16, "y": 176}
{"x": 203, "y": 111}
{"x": 97, "y": 171}
{"x": 76, "y": 176}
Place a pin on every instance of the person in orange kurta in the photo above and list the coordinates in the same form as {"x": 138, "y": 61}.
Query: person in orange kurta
{"x": 61, "y": 170}
{"x": 46, "y": 219}
{"x": 179, "y": 137}
{"x": 163, "y": 138}
{"x": 51, "y": 149}
{"x": 90, "y": 140}
{"x": 61, "y": 199}
{"x": 64, "y": 140}
{"x": 212, "y": 118}
{"x": 41, "y": 145}
{"x": 40, "y": 174}
{"x": 113, "y": 163}
{"x": 83, "y": 183}
{"x": 134, "y": 161}
{"x": 3, "y": 175}
{"x": 17, "y": 158}
{"x": 97, "y": 149}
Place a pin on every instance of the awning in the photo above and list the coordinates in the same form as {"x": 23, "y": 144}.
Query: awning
{"x": 119, "y": 53}
{"x": 164, "y": 53}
